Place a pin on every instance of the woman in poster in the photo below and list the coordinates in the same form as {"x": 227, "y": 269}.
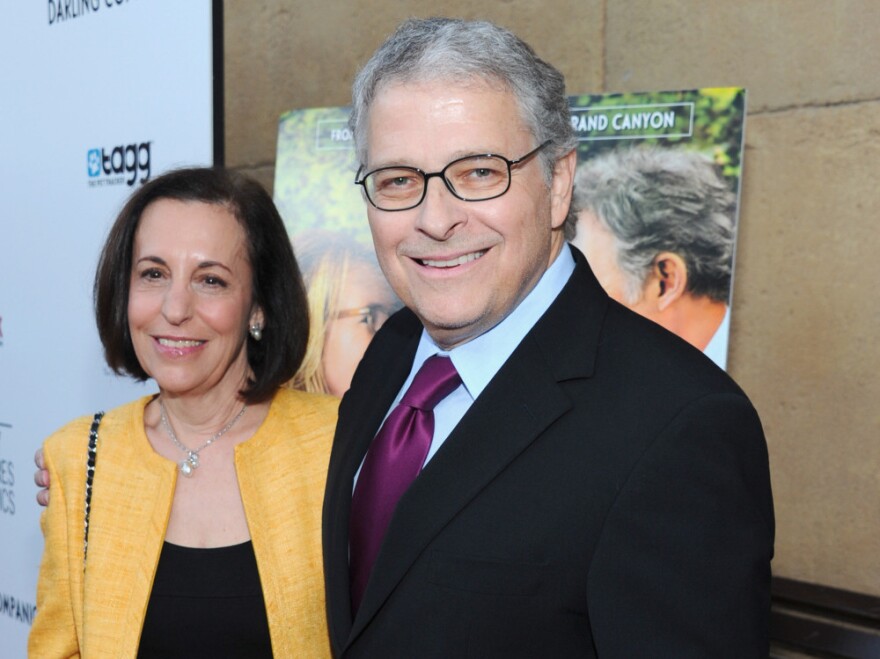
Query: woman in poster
{"x": 349, "y": 300}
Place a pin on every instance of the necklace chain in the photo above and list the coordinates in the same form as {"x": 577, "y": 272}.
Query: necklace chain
{"x": 189, "y": 464}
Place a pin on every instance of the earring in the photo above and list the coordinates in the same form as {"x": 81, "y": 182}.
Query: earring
{"x": 257, "y": 331}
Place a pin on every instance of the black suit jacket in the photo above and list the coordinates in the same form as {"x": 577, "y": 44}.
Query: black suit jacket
{"x": 606, "y": 495}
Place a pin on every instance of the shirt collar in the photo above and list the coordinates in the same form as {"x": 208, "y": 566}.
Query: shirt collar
{"x": 478, "y": 360}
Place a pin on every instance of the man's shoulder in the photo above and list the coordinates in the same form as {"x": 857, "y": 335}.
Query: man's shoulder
{"x": 385, "y": 364}
{"x": 402, "y": 324}
{"x": 400, "y": 331}
{"x": 633, "y": 355}
{"x": 642, "y": 357}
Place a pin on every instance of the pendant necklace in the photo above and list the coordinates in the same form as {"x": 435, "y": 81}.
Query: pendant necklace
{"x": 188, "y": 465}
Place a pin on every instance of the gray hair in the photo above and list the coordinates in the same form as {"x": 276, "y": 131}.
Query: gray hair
{"x": 464, "y": 52}
{"x": 657, "y": 200}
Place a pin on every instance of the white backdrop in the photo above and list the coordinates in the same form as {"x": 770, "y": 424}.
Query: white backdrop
{"x": 95, "y": 96}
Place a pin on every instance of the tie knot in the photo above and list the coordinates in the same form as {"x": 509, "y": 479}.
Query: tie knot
{"x": 436, "y": 379}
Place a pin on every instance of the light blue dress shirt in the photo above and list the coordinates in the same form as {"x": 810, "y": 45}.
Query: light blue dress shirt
{"x": 478, "y": 360}
{"x": 717, "y": 348}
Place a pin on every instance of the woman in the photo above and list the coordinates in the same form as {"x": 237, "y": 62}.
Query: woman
{"x": 202, "y": 533}
{"x": 349, "y": 300}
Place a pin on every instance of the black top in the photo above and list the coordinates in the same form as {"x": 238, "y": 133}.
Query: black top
{"x": 206, "y": 603}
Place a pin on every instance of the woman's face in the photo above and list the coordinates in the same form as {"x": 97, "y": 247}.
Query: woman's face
{"x": 189, "y": 303}
{"x": 365, "y": 300}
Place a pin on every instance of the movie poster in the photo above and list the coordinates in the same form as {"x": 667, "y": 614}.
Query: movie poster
{"x": 349, "y": 299}
{"x": 655, "y": 211}
{"x": 656, "y": 203}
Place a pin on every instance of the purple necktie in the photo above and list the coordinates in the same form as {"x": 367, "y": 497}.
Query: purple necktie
{"x": 394, "y": 460}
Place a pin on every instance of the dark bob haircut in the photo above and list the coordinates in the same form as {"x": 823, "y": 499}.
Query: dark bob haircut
{"x": 277, "y": 284}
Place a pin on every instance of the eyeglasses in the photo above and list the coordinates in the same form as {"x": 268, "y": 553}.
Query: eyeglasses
{"x": 472, "y": 178}
{"x": 372, "y": 315}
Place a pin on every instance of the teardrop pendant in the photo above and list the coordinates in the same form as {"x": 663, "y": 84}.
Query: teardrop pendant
{"x": 189, "y": 465}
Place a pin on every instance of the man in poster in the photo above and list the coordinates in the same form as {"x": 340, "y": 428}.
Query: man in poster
{"x": 657, "y": 226}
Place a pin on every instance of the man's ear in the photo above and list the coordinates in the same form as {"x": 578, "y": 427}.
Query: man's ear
{"x": 668, "y": 279}
{"x": 561, "y": 187}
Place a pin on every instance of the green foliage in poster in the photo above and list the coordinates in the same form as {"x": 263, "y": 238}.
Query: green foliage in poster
{"x": 315, "y": 172}
{"x": 707, "y": 120}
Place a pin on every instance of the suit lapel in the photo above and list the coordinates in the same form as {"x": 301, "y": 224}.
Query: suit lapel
{"x": 480, "y": 447}
{"x": 376, "y": 382}
{"x": 520, "y": 403}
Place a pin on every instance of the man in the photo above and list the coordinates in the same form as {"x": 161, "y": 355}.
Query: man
{"x": 594, "y": 486}
{"x": 657, "y": 228}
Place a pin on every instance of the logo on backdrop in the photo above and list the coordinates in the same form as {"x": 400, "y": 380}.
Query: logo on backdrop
{"x": 7, "y": 478}
{"x": 17, "y": 609}
{"x": 128, "y": 163}
{"x": 64, "y": 10}
{"x": 11, "y": 606}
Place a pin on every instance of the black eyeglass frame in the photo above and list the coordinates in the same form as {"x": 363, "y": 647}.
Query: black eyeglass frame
{"x": 426, "y": 176}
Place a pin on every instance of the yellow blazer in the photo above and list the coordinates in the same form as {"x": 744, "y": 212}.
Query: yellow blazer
{"x": 99, "y": 612}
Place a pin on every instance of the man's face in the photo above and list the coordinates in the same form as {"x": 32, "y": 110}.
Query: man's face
{"x": 597, "y": 243}
{"x": 462, "y": 266}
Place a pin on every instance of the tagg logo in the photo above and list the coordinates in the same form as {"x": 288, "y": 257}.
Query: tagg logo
{"x": 127, "y": 164}
{"x": 94, "y": 162}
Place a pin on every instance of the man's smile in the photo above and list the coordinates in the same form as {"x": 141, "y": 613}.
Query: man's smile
{"x": 451, "y": 263}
